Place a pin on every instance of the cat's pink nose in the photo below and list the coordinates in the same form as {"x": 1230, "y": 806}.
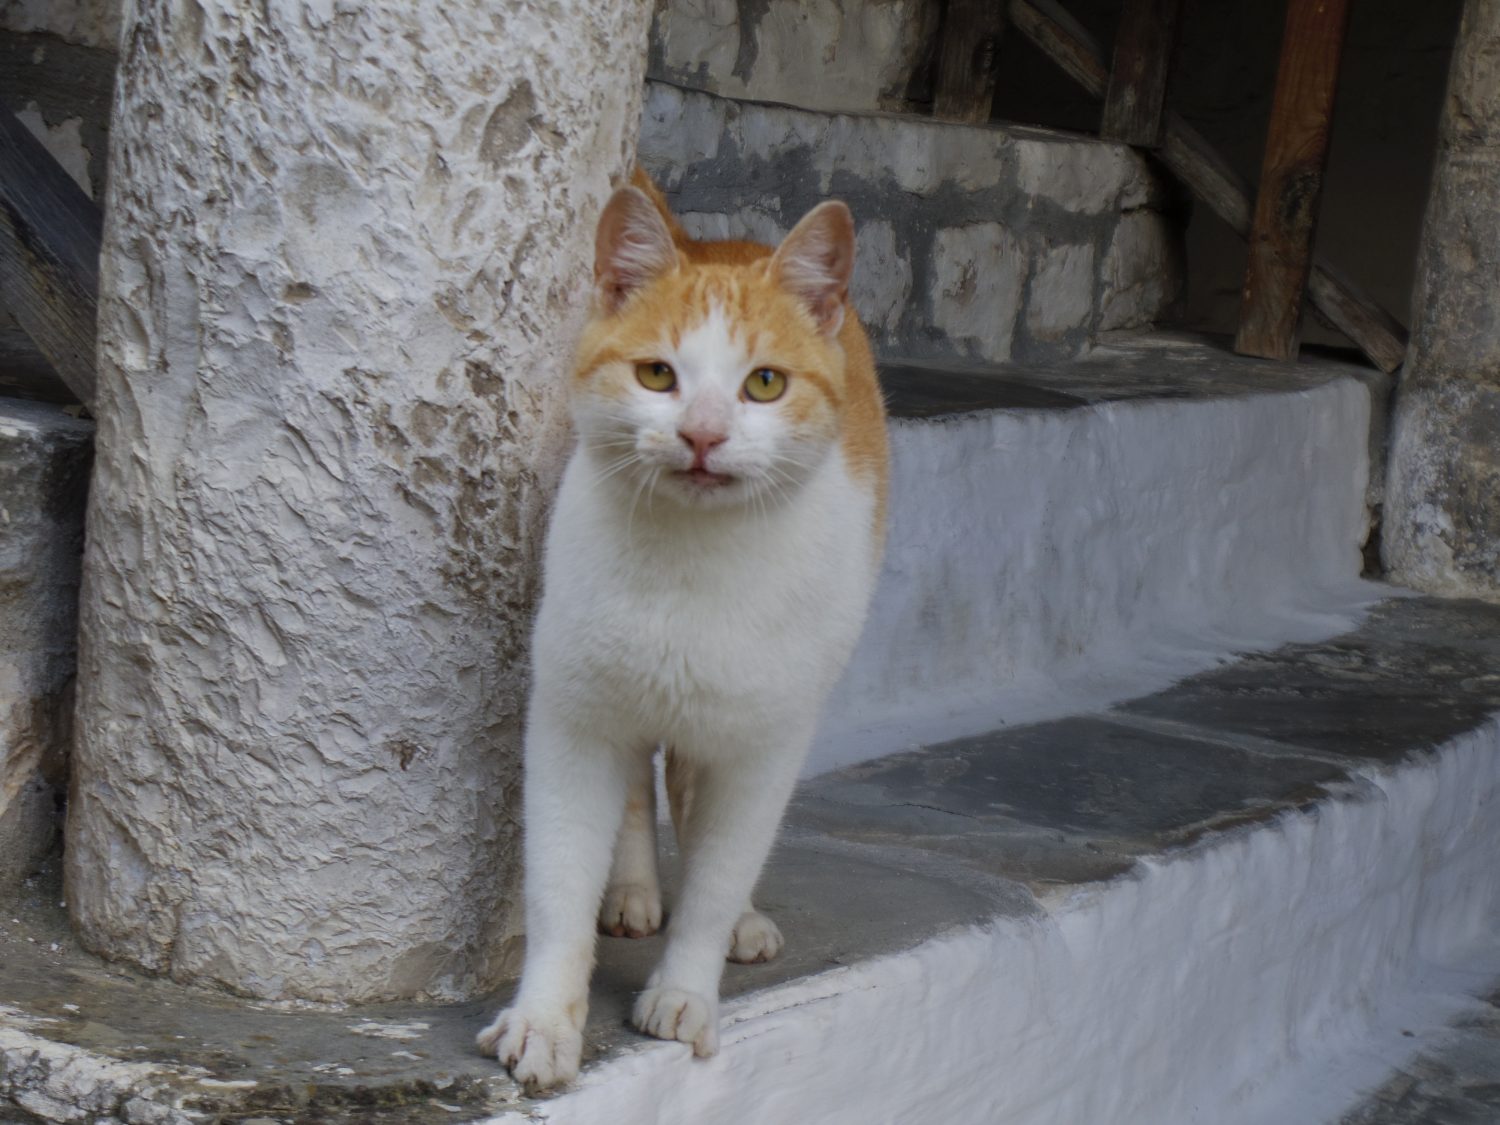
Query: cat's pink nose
{"x": 701, "y": 441}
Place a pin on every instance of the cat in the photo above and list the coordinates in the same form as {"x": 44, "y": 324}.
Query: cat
{"x": 710, "y": 560}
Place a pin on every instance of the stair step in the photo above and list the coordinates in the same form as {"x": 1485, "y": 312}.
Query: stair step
{"x": 1073, "y": 533}
{"x": 1170, "y": 911}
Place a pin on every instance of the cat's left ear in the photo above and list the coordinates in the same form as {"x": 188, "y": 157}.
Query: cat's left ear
{"x": 816, "y": 261}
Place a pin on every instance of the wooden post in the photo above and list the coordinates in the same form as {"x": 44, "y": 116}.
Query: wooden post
{"x": 968, "y": 45}
{"x": 1137, "y": 88}
{"x": 49, "y": 255}
{"x": 1189, "y": 157}
{"x": 1291, "y": 179}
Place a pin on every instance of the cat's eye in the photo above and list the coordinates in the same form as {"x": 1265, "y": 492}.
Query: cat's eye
{"x": 656, "y": 376}
{"x": 765, "y": 384}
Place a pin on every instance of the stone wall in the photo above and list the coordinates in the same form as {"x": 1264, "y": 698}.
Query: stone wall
{"x": 980, "y": 243}
{"x": 817, "y": 54}
{"x": 44, "y": 460}
{"x": 345, "y": 256}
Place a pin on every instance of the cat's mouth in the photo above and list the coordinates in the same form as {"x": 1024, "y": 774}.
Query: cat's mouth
{"x": 704, "y": 478}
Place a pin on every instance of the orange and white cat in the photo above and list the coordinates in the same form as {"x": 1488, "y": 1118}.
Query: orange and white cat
{"x": 709, "y": 564}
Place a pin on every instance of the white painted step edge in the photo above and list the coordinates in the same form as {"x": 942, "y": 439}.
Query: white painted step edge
{"x": 1045, "y": 562}
{"x": 1261, "y": 978}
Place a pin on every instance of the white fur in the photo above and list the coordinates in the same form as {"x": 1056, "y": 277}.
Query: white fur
{"x": 713, "y": 621}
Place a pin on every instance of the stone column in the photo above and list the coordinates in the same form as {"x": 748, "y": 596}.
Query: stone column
{"x": 1442, "y": 518}
{"x": 346, "y": 253}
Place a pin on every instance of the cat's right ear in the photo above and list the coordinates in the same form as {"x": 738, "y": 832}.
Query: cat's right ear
{"x": 632, "y": 247}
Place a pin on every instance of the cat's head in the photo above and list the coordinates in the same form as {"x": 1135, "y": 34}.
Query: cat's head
{"x": 713, "y": 374}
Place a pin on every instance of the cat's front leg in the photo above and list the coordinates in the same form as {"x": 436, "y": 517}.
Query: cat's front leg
{"x": 632, "y": 900}
{"x": 729, "y": 826}
{"x": 574, "y": 797}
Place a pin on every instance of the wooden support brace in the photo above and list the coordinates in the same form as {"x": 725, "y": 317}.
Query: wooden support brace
{"x": 1189, "y": 157}
{"x": 1137, "y": 90}
{"x": 49, "y": 255}
{"x": 968, "y": 45}
{"x": 1291, "y": 179}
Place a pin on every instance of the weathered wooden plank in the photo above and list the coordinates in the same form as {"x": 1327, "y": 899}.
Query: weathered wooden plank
{"x": 1189, "y": 157}
{"x": 25, "y": 372}
{"x": 1137, "y": 91}
{"x": 968, "y": 45}
{"x": 1291, "y": 179}
{"x": 49, "y": 255}
{"x": 1063, "y": 40}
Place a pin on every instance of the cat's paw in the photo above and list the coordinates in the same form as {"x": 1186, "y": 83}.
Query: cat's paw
{"x": 540, "y": 1049}
{"x": 755, "y": 938}
{"x": 675, "y": 1013}
{"x": 630, "y": 910}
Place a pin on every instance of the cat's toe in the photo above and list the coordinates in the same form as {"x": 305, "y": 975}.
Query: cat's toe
{"x": 755, "y": 938}
{"x": 675, "y": 1013}
{"x": 541, "y": 1050}
{"x": 630, "y": 910}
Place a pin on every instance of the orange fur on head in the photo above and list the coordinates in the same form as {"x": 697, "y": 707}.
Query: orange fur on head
{"x": 790, "y": 304}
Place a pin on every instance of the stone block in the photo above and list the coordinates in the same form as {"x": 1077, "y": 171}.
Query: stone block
{"x": 1142, "y": 271}
{"x": 1062, "y": 290}
{"x": 977, "y": 272}
{"x": 44, "y": 459}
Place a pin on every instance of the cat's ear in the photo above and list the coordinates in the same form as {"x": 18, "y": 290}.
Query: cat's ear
{"x": 815, "y": 263}
{"x": 632, "y": 247}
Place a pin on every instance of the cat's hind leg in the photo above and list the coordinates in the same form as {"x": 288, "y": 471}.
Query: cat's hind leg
{"x": 632, "y": 899}
{"x": 756, "y": 937}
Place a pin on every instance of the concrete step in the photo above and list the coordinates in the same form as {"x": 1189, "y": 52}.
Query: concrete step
{"x": 985, "y": 243}
{"x": 1067, "y": 534}
{"x": 1222, "y": 902}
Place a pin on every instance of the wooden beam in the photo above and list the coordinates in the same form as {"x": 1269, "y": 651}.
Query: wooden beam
{"x": 968, "y": 45}
{"x": 1189, "y": 157}
{"x": 25, "y": 372}
{"x": 1137, "y": 90}
{"x": 49, "y": 255}
{"x": 1291, "y": 179}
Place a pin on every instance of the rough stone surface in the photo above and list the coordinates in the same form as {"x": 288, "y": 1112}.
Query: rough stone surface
{"x": 1454, "y": 1080}
{"x": 1442, "y": 527}
{"x": 817, "y": 54}
{"x": 44, "y": 460}
{"x": 1142, "y": 274}
{"x": 344, "y": 261}
{"x": 976, "y": 242}
{"x": 91, "y": 23}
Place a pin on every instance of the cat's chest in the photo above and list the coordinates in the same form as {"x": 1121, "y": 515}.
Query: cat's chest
{"x": 667, "y": 627}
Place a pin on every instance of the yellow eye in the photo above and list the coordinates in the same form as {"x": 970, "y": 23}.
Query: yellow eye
{"x": 765, "y": 385}
{"x": 656, "y": 376}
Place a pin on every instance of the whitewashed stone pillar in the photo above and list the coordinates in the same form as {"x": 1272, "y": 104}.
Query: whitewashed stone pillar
{"x": 346, "y": 252}
{"x": 1442, "y": 517}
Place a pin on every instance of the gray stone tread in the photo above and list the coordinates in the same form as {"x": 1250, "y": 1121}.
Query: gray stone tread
{"x": 957, "y": 833}
{"x": 1453, "y": 1080}
{"x": 1124, "y": 367}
